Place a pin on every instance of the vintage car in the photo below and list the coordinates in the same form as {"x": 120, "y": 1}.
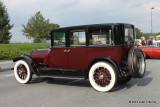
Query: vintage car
{"x": 102, "y": 53}
{"x": 152, "y": 51}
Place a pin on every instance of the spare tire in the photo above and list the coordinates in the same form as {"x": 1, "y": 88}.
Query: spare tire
{"x": 136, "y": 63}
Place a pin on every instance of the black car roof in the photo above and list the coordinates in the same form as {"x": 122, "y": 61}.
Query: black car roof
{"x": 91, "y": 25}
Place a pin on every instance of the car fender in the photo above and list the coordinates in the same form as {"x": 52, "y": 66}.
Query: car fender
{"x": 28, "y": 60}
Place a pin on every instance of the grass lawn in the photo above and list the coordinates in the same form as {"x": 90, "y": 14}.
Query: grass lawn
{"x": 25, "y": 48}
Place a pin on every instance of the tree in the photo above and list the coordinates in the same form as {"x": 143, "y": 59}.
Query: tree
{"x": 38, "y": 28}
{"x": 139, "y": 34}
{"x": 5, "y": 26}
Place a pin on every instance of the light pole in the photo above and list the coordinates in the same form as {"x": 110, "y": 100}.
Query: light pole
{"x": 151, "y": 19}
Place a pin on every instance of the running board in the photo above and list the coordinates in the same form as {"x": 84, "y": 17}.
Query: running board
{"x": 63, "y": 77}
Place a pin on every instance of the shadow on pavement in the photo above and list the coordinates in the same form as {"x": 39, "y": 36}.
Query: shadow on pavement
{"x": 155, "y": 58}
{"x": 70, "y": 82}
{"x": 38, "y": 80}
{"x": 6, "y": 69}
{"x": 85, "y": 83}
{"x": 135, "y": 81}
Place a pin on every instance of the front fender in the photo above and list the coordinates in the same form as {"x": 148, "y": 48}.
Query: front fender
{"x": 24, "y": 57}
{"x": 29, "y": 61}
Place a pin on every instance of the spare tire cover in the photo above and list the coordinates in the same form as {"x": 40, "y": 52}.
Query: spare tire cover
{"x": 136, "y": 63}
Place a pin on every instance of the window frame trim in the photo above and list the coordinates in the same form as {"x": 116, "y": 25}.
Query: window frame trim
{"x": 52, "y": 41}
{"x": 111, "y": 36}
{"x": 69, "y": 37}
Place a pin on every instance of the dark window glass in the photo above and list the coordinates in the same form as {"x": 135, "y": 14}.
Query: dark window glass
{"x": 100, "y": 36}
{"x": 129, "y": 38}
{"x": 77, "y": 38}
{"x": 59, "y": 38}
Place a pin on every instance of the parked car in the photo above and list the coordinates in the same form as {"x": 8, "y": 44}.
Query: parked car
{"x": 151, "y": 51}
{"x": 102, "y": 53}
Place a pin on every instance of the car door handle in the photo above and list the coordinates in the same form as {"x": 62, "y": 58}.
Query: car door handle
{"x": 65, "y": 50}
{"x": 68, "y": 50}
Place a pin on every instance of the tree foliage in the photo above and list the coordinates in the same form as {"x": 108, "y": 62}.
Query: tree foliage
{"x": 5, "y": 26}
{"x": 38, "y": 27}
{"x": 139, "y": 34}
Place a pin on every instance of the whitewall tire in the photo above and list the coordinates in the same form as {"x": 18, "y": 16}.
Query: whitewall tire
{"x": 102, "y": 76}
{"x": 22, "y": 72}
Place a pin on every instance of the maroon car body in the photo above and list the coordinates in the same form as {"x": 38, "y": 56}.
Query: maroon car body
{"x": 103, "y": 53}
{"x": 76, "y": 58}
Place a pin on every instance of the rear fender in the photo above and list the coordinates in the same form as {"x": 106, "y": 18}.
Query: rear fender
{"x": 106, "y": 59}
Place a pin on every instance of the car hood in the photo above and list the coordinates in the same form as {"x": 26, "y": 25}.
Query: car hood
{"x": 39, "y": 55}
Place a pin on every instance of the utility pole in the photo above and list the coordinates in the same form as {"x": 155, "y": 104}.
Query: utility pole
{"x": 151, "y": 20}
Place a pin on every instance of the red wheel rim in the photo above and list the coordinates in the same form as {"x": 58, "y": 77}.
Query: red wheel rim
{"x": 102, "y": 76}
{"x": 22, "y": 71}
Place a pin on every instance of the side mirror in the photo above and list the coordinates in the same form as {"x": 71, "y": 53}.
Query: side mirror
{"x": 48, "y": 46}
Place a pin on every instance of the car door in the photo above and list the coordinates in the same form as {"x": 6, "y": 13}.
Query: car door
{"x": 77, "y": 51}
{"x": 58, "y": 55}
{"x": 59, "y": 58}
{"x": 77, "y": 58}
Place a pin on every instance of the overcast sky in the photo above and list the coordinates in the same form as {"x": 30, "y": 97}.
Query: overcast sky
{"x": 81, "y": 12}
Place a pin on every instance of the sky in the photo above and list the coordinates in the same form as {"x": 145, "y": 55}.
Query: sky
{"x": 82, "y": 12}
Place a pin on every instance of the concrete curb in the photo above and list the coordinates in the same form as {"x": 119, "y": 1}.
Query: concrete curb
{"x": 6, "y": 65}
{"x": 6, "y": 62}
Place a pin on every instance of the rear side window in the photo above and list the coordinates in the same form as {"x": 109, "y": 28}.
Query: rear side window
{"x": 100, "y": 36}
{"x": 129, "y": 36}
{"x": 77, "y": 37}
{"x": 59, "y": 39}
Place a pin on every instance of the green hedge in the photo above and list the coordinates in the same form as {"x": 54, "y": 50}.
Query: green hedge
{"x": 26, "y": 48}
{"x": 9, "y": 51}
{"x": 6, "y": 53}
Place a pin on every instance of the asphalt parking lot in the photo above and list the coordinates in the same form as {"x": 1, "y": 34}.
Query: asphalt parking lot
{"x": 50, "y": 92}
